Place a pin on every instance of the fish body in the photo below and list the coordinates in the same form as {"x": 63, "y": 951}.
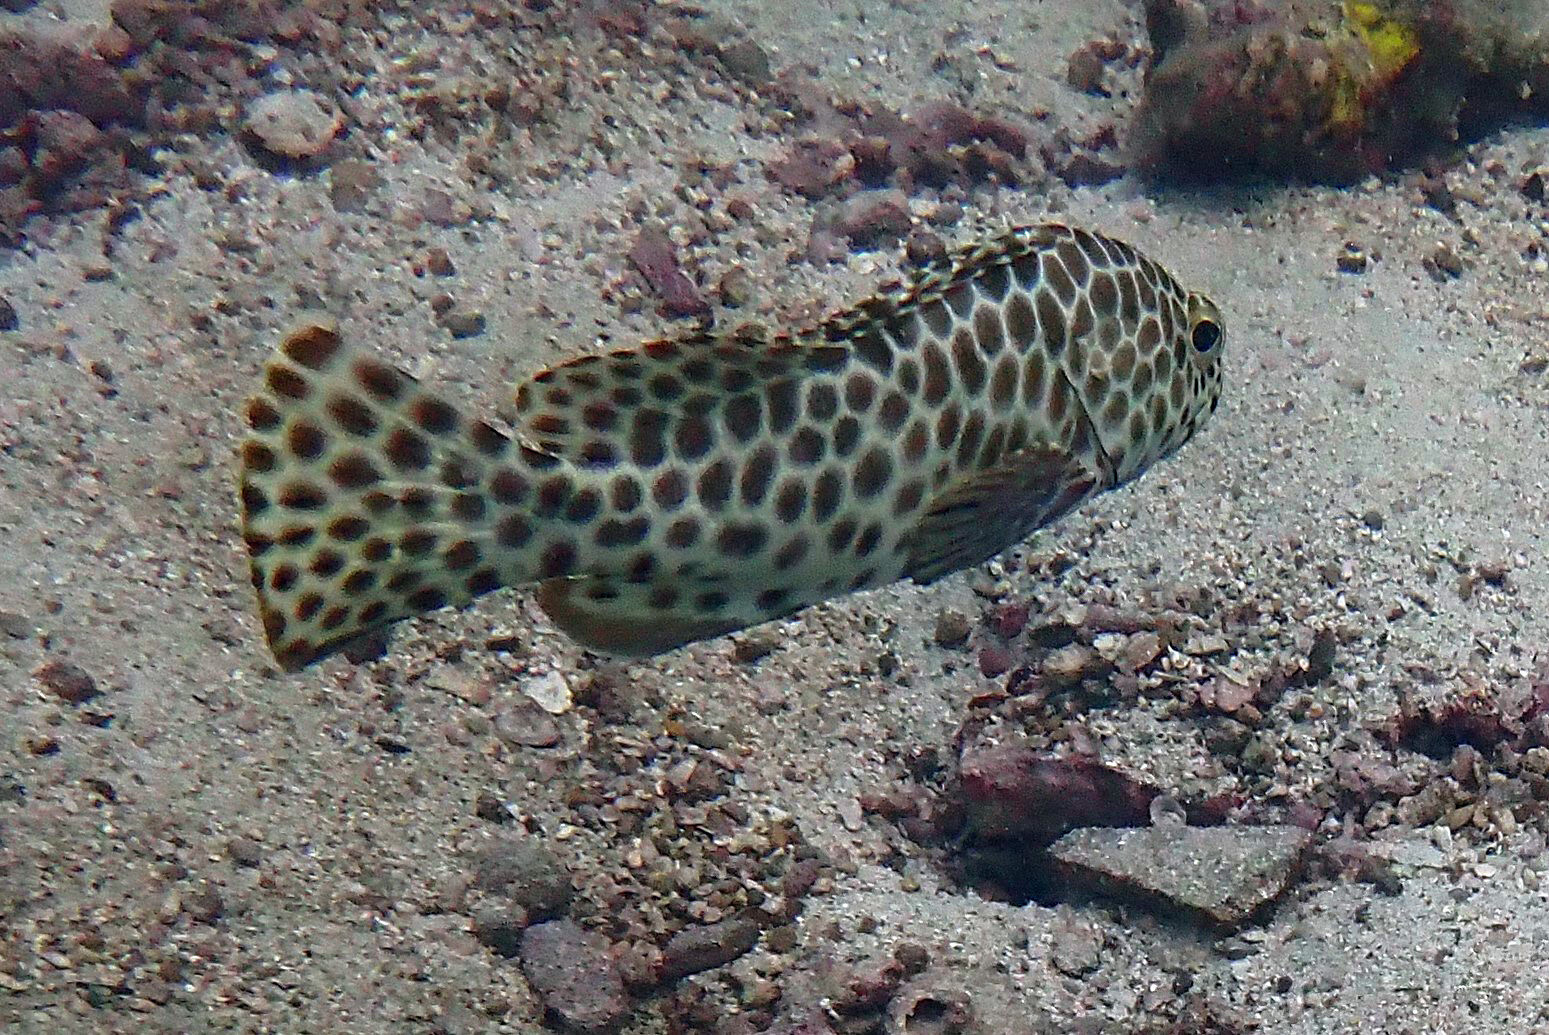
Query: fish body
{"x": 695, "y": 486}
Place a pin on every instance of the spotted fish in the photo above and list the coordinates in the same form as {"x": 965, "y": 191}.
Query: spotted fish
{"x": 691, "y": 487}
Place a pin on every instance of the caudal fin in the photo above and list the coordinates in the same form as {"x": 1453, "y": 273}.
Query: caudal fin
{"x": 365, "y": 499}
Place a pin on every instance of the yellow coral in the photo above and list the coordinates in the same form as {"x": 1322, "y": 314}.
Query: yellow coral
{"x": 1345, "y": 108}
{"x": 1391, "y": 43}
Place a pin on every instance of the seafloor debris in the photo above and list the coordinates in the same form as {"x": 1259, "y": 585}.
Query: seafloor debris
{"x": 876, "y": 157}
{"x": 1013, "y": 792}
{"x": 66, "y": 681}
{"x": 1330, "y": 90}
{"x": 87, "y": 99}
{"x": 706, "y": 947}
{"x": 1224, "y": 874}
{"x": 1011, "y": 801}
{"x": 1483, "y": 716}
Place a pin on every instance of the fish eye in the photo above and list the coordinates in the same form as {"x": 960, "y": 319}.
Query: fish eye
{"x": 1205, "y": 335}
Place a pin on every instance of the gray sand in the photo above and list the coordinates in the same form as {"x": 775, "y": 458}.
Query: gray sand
{"x": 272, "y": 861}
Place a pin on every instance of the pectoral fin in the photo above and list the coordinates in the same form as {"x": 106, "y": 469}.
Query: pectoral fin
{"x": 985, "y": 512}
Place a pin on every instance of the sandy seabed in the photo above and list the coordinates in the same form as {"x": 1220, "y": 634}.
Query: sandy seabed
{"x": 190, "y": 841}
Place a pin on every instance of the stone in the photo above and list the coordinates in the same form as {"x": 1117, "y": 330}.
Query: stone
{"x": 572, "y": 971}
{"x": 1224, "y": 874}
{"x": 526, "y": 872}
{"x": 697, "y": 949}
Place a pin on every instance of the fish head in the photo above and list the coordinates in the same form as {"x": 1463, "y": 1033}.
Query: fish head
{"x": 1207, "y": 343}
{"x": 1174, "y": 385}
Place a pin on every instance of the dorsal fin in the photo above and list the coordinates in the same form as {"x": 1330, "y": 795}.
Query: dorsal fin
{"x": 592, "y": 404}
{"x": 575, "y": 409}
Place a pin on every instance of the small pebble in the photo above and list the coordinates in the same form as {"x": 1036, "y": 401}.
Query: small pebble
{"x": 780, "y": 939}
{"x": 994, "y": 661}
{"x": 204, "y": 904}
{"x": 747, "y": 61}
{"x": 952, "y": 629}
{"x": 244, "y": 851}
{"x": 491, "y": 809}
{"x": 463, "y": 322}
{"x": 69, "y": 683}
{"x": 437, "y": 261}
{"x": 350, "y": 184}
{"x": 1444, "y": 264}
{"x": 656, "y": 257}
{"x": 924, "y": 247}
{"x": 945, "y": 214}
{"x": 873, "y": 218}
{"x": 1075, "y": 945}
{"x": 736, "y": 288}
{"x": 8, "y": 318}
{"x": 527, "y": 725}
{"x": 292, "y": 123}
{"x": 1084, "y": 169}
{"x": 753, "y": 647}
{"x": 526, "y": 872}
{"x": 1352, "y": 259}
{"x": 1493, "y": 573}
{"x": 1084, "y": 71}
{"x": 499, "y": 927}
{"x": 40, "y": 746}
{"x": 551, "y": 692}
{"x": 1067, "y": 666}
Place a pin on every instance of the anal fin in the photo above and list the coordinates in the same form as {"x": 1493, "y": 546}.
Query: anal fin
{"x": 626, "y": 619}
{"x": 986, "y": 512}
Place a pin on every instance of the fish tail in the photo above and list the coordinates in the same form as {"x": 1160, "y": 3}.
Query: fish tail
{"x": 365, "y": 499}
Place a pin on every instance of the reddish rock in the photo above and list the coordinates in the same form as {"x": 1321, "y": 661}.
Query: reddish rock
{"x": 865, "y": 988}
{"x": 654, "y": 255}
{"x": 59, "y": 73}
{"x": 1083, "y": 169}
{"x": 874, "y": 163}
{"x": 813, "y": 168}
{"x": 924, "y": 247}
{"x": 1482, "y": 715}
{"x": 871, "y": 219}
{"x": 1005, "y": 135}
{"x": 1010, "y": 620}
{"x": 994, "y": 660}
{"x": 799, "y": 879}
{"x": 1084, "y": 71}
{"x": 64, "y": 143}
{"x": 1012, "y": 791}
